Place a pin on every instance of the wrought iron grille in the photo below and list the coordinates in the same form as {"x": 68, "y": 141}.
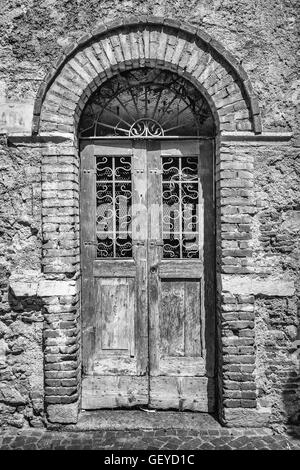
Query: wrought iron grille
{"x": 113, "y": 207}
{"x": 180, "y": 201}
{"x": 180, "y": 194}
{"x": 146, "y": 103}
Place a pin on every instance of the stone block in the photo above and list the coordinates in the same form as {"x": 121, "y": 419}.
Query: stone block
{"x": 56, "y": 288}
{"x": 245, "y": 285}
{"x": 240, "y": 417}
{"x": 10, "y": 395}
{"x": 16, "y": 117}
{"x": 25, "y": 284}
{"x": 64, "y": 414}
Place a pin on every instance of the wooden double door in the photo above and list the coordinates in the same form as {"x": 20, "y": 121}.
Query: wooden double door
{"x": 147, "y": 244}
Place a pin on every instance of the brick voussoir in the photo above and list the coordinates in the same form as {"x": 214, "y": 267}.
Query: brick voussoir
{"x": 57, "y": 118}
{"x": 60, "y": 61}
{"x": 100, "y": 29}
{"x": 35, "y": 124}
{"x": 156, "y": 20}
{"x": 77, "y": 69}
{"x": 257, "y": 126}
{"x": 69, "y": 79}
{"x": 63, "y": 93}
{"x": 50, "y": 76}
{"x": 125, "y": 48}
{"x": 171, "y": 23}
{"x": 203, "y": 36}
{"x": 84, "y": 39}
{"x": 86, "y": 66}
{"x": 37, "y": 106}
{"x": 70, "y": 50}
{"x": 115, "y": 24}
{"x": 189, "y": 29}
{"x": 254, "y": 103}
{"x": 54, "y": 97}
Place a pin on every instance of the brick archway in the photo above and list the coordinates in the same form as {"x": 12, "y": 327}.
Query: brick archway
{"x": 151, "y": 42}
{"x": 143, "y": 42}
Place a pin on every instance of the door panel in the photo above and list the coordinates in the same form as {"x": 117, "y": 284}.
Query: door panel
{"x": 182, "y": 393}
{"x": 177, "y": 269}
{"x": 148, "y": 283}
{"x": 181, "y": 322}
{"x": 176, "y": 283}
{"x": 115, "y": 317}
{"x": 181, "y": 329}
{"x": 115, "y": 326}
{"x": 114, "y": 391}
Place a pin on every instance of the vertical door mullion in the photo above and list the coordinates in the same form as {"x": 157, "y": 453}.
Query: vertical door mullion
{"x": 88, "y": 250}
{"x": 180, "y": 207}
{"x": 139, "y": 240}
{"x": 114, "y": 235}
{"x": 154, "y": 251}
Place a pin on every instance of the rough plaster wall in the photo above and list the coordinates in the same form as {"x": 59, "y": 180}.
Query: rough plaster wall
{"x": 261, "y": 34}
{"x": 21, "y": 321}
{"x": 276, "y": 246}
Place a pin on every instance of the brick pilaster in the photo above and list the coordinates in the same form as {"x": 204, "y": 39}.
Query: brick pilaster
{"x": 236, "y": 342}
{"x": 60, "y": 289}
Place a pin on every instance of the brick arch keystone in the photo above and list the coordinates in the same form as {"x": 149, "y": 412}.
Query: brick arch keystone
{"x": 153, "y": 42}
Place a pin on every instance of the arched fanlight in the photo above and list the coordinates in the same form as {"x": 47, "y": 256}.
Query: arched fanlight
{"x": 146, "y": 103}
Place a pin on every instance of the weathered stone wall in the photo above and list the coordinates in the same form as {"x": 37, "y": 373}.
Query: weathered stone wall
{"x": 21, "y": 319}
{"x": 259, "y": 261}
{"x": 261, "y": 35}
{"x": 259, "y": 311}
{"x": 276, "y": 250}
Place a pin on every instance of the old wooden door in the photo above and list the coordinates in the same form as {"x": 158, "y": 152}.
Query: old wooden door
{"x": 147, "y": 268}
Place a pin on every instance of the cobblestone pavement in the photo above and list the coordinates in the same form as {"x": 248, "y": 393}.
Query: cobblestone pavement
{"x": 234, "y": 439}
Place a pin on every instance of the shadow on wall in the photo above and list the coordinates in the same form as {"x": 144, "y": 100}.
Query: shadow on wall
{"x": 21, "y": 359}
{"x": 291, "y": 391}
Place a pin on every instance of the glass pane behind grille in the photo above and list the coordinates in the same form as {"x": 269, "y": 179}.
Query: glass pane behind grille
{"x": 146, "y": 102}
{"x": 113, "y": 207}
{"x": 180, "y": 190}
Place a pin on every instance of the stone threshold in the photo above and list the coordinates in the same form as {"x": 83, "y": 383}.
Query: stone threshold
{"x": 135, "y": 420}
{"x": 115, "y": 420}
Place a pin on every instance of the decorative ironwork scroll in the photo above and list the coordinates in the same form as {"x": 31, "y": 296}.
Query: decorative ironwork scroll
{"x": 146, "y": 128}
{"x": 146, "y": 102}
{"x": 180, "y": 195}
{"x": 113, "y": 207}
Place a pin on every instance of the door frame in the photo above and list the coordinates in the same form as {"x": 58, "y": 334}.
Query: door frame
{"x": 211, "y": 345}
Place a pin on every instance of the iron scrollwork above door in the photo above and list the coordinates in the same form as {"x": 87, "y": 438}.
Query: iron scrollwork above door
{"x": 146, "y": 128}
{"x": 146, "y": 103}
